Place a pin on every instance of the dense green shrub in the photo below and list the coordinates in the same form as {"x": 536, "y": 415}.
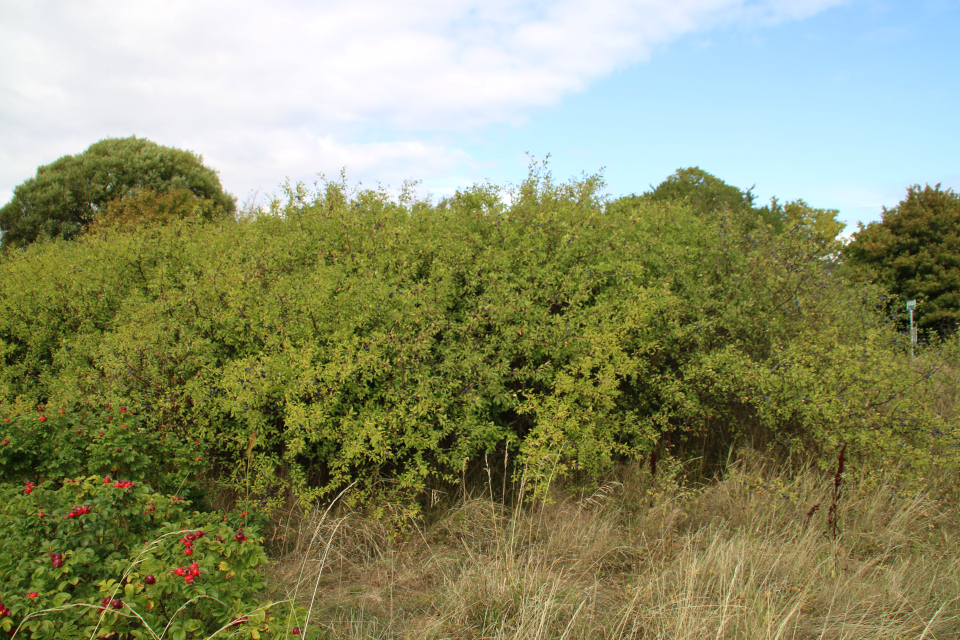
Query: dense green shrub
{"x": 146, "y": 207}
{"x": 99, "y": 557}
{"x": 337, "y": 339}
{"x": 776, "y": 347}
{"x": 50, "y": 445}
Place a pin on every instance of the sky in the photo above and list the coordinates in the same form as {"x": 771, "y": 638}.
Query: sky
{"x": 843, "y": 103}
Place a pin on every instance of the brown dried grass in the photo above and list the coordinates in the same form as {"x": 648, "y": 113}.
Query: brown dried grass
{"x": 645, "y": 557}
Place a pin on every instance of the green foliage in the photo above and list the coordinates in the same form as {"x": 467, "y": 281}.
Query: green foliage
{"x": 710, "y": 197}
{"x": 772, "y": 346}
{"x": 75, "y": 556}
{"x": 797, "y": 214}
{"x": 67, "y": 443}
{"x": 706, "y": 194}
{"x": 67, "y": 194}
{"x": 914, "y": 252}
{"x": 147, "y": 207}
{"x": 340, "y": 339}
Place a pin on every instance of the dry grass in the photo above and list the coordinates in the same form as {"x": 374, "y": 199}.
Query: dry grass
{"x": 644, "y": 558}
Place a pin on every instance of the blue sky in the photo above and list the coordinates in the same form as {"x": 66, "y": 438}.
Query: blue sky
{"x": 844, "y": 109}
{"x": 843, "y": 103}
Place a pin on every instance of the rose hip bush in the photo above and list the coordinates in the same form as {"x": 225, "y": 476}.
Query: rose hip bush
{"x": 97, "y": 556}
{"x": 64, "y": 443}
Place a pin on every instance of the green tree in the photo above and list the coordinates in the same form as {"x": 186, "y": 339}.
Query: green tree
{"x": 67, "y": 194}
{"x": 708, "y": 197}
{"x": 914, "y": 251}
{"x": 706, "y": 193}
{"x": 821, "y": 224}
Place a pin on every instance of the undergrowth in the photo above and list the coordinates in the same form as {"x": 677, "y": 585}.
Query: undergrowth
{"x": 644, "y": 557}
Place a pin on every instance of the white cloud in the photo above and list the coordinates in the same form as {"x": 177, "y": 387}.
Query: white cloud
{"x": 282, "y": 154}
{"x": 271, "y": 86}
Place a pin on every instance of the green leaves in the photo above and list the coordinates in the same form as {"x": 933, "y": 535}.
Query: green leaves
{"x": 914, "y": 253}
{"x": 107, "y": 554}
{"x": 73, "y": 442}
{"x": 68, "y": 194}
{"x": 347, "y": 340}
{"x": 706, "y": 194}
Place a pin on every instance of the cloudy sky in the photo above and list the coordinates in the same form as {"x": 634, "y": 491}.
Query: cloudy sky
{"x": 843, "y": 103}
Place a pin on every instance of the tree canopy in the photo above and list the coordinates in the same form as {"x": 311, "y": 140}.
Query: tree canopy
{"x": 914, "y": 251}
{"x": 705, "y": 192}
{"x": 708, "y": 197}
{"x": 67, "y": 194}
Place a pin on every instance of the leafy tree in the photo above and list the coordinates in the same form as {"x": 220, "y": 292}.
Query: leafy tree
{"x": 67, "y": 194}
{"x": 797, "y": 214}
{"x": 914, "y": 251}
{"x": 706, "y": 193}
{"x": 709, "y": 197}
